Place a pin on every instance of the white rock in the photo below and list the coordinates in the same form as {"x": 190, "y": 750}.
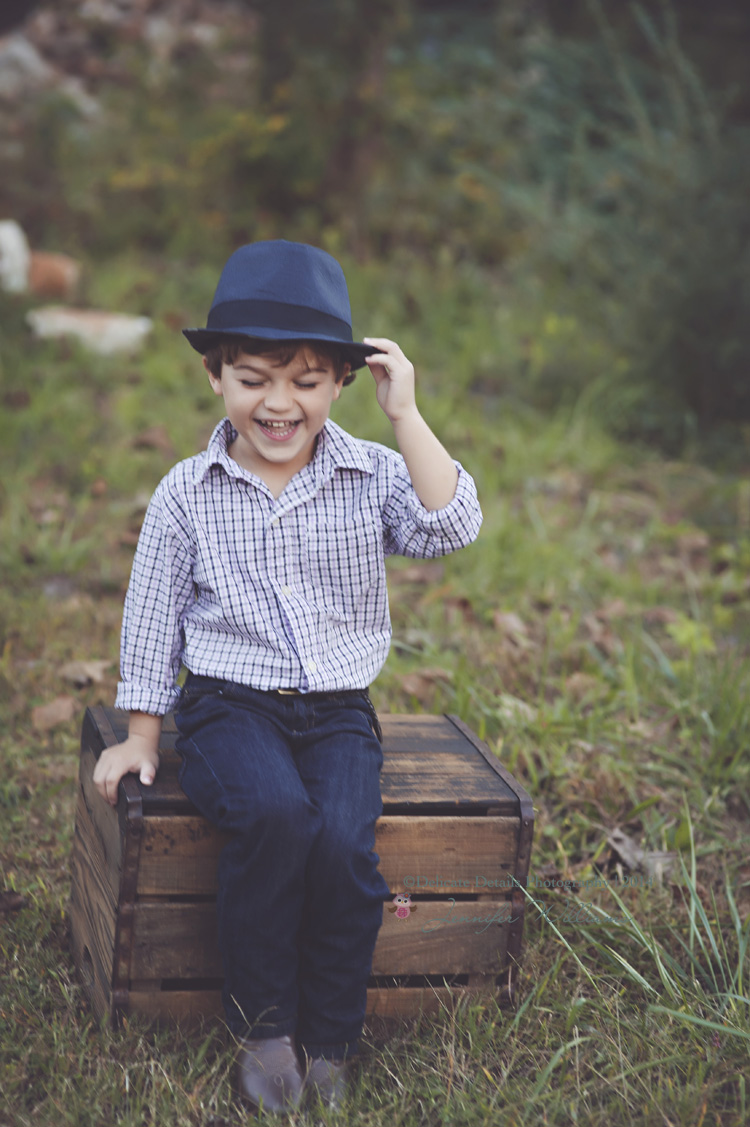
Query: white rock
{"x": 99, "y": 11}
{"x": 101, "y": 332}
{"x": 15, "y": 257}
{"x": 515, "y": 711}
{"x": 22, "y": 68}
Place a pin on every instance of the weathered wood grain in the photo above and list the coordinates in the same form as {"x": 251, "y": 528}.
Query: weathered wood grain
{"x": 444, "y": 937}
{"x": 178, "y": 940}
{"x": 426, "y": 762}
{"x": 104, "y": 824}
{"x": 93, "y": 912}
{"x": 190, "y": 1008}
{"x": 179, "y": 856}
{"x": 459, "y": 854}
{"x": 467, "y": 854}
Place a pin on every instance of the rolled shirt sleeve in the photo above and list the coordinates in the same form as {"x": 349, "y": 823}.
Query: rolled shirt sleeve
{"x": 412, "y": 530}
{"x": 160, "y": 592}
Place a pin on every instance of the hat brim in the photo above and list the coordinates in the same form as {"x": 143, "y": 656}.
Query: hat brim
{"x": 353, "y": 352}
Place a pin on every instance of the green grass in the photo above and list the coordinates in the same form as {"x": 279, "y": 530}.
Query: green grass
{"x": 595, "y": 635}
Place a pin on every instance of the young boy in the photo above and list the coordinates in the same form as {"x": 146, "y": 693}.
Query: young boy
{"x": 260, "y": 568}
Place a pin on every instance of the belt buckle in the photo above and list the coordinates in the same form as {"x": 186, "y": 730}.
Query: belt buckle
{"x": 288, "y": 692}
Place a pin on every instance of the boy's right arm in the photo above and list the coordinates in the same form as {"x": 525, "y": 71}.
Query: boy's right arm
{"x": 138, "y": 753}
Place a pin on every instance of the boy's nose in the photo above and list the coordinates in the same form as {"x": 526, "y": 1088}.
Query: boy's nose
{"x": 278, "y": 398}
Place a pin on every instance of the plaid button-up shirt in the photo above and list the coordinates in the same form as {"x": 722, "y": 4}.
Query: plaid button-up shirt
{"x": 286, "y": 592}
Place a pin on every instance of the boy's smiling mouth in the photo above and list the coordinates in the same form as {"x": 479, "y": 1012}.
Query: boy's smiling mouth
{"x": 278, "y": 428}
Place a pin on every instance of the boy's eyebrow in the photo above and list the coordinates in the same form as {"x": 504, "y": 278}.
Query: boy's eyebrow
{"x": 245, "y": 364}
{"x": 248, "y": 364}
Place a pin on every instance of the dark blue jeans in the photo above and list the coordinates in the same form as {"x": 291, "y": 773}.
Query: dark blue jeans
{"x": 294, "y": 780}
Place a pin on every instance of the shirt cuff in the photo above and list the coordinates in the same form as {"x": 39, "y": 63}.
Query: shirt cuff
{"x": 132, "y": 697}
{"x": 462, "y": 511}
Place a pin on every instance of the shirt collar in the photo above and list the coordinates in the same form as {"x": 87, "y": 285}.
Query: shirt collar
{"x": 339, "y": 450}
{"x": 335, "y": 450}
{"x": 217, "y": 452}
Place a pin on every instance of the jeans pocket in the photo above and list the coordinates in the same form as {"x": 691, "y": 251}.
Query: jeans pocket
{"x": 195, "y": 690}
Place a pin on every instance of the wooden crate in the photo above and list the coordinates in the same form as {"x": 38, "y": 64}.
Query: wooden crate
{"x": 144, "y": 878}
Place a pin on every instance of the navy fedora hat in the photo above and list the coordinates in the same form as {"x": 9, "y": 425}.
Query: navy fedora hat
{"x": 277, "y": 290}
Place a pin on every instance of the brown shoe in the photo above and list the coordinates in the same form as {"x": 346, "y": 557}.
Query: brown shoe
{"x": 269, "y": 1077}
{"x": 328, "y": 1080}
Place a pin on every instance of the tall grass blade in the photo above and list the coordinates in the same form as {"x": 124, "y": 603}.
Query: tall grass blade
{"x": 693, "y": 1019}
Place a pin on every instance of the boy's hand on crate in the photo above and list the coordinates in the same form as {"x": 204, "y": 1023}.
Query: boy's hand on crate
{"x": 136, "y": 755}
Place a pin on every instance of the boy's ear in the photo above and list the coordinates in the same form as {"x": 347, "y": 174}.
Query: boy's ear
{"x": 340, "y": 381}
{"x": 215, "y": 381}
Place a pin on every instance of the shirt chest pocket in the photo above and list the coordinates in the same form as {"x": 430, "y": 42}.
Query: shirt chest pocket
{"x": 344, "y": 565}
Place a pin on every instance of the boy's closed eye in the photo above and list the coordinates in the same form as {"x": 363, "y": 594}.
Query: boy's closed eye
{"x": 306, "y": 386}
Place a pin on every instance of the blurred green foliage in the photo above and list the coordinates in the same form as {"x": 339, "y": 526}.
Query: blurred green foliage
{"x": 578, "y": 205}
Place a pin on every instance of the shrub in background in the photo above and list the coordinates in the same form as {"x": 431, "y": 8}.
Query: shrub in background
{"x": 588, "y": 201}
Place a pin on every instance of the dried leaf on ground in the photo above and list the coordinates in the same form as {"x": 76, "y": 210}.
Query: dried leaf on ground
{"x": 645, "y": 730}
{"x": 658, "y": 616}
{"x": 513, "y": 627}
{"x": 603, "y": 638}
{"x": 639, "y": 507}
{"x": 693, "y": 543}
{"x": 514, "y": 710}
{"x": 613, "y": 608}
{"x": 11, "y": 901}
{"x": 421, "y": 684}
{"x": 609, "y": 558}
{"x": 583, "y": 745}
{"x": 580, "y": 685}
{"x": 458, "y": 609}
{"x": 59, "y": 711}
{"x": 83, "y": 673}
{"x": 427, "y": 572}
{"x": 655, "y": 863}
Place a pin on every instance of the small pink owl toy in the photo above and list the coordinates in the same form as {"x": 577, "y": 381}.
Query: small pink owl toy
{"x": 402, "y": 906}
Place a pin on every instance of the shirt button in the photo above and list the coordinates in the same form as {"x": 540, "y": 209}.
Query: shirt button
{"x": 273, "y": 522}
{"x": 286, "y": 590}
{"x": 312, "y": 667}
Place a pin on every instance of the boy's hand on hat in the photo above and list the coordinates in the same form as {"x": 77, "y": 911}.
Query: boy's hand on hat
{"x": 133, "y": 755}
{"x": 394, "y": 378}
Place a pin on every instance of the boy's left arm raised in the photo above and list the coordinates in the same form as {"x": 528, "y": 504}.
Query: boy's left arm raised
{"x": 432, "y": 471}
{"x": 433, "y": 508}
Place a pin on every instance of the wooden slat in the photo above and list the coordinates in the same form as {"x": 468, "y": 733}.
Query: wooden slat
{"x": 106, "y": 837}
{"x": 186, "y": 1008}
{"x": 427, "y": 760}
{"x": 438, "y": 782}
{"x": 409, "y": 1001}
{"x": 445, "y": 937}
{"x": 452, "y": 849}
{"x": 179, "y": 855}
{"x": 93, "y": 913}
{"x": 443, "y": 778}
{"x": 191, "y": 1007}
{"x": 175, "y": 941}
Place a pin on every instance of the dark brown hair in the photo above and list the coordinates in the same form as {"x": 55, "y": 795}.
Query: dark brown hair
{"x": 227, "y": 349}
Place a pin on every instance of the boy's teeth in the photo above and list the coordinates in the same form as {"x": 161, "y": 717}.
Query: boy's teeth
{"x": 278, "y": 425}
